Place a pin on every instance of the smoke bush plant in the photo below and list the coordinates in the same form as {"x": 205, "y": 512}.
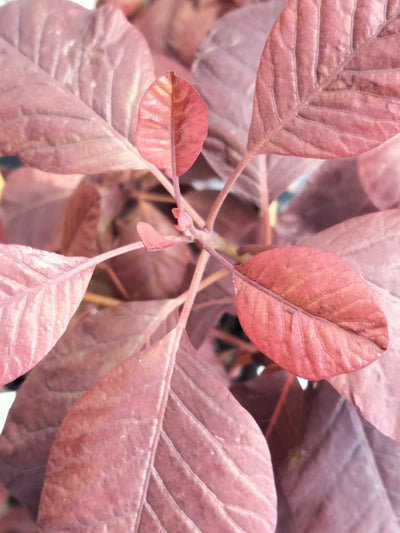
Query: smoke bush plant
{"x": 119, "y": 253}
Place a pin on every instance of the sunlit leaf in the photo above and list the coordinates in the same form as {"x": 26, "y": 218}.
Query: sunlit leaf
{"x": 328, "y": 84}
{"x": 172, "y": 125}
{"x": 71, "y": 81}
{"x": 310, "y": 312}
{"x": 174, "y": 438}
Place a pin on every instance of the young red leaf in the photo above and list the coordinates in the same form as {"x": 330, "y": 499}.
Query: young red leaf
{"x": 379, "y": 174}
{"x": 328, "y": 84}
{"x": 81, "y": 220}
{"x": 174, "y": 438}
{"x": 172, "y": 125}
{"x": 151, "y": 238}
{"x": 85, "y": 353}
{"x": 344, "y": 475}
{"x": 371, "y": 244}
{"x": 310, "y": 312}
{"x": 71, "y": 81}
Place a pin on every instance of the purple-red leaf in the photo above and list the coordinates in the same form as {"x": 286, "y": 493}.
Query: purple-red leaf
{"x": 151, "y": 238}
{"x": 310, "y": 312}
{"x": 39, "y": 293}
{"x": 379, "y": 172}
{"x": 174, "y": 439}
{"x": 32, "y": 204}
{"x": 371, "y": 244}
{"x": 328, "y": 84}
{"x": 81, "y": 220}
{"x": 86, "y": 352}
{"x": 224, "y": 74}
{"x": 172, "y": 125}
{"x": 71, "y": 81}
{"x": 344, "y": 475}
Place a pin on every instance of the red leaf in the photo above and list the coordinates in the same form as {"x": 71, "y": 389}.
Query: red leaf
{"x": 379, "y": 174}
{"x": 81, "y": 220}
{"x": 151, "y": 238}
{"x": 172, "y": 125}
{"x": 326, "y": 93}
{"x": 174, "y": 438}
{"x": 344, "y": 476}
{"x": 40, "y": 291}
{"x": 310, "y": 312}
{"x": 86, "y": 352}
{"x": 32, "y": 204}
{"x": 371, "y": 244}
{"x": 63, "y": 110}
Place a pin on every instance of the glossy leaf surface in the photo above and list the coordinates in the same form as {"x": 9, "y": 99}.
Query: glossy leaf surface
{"x": 310, "y": 312}
{"x": 323, "y": 93}
{"x": 71, "y": 82}
{"x": 371, "y": 244}
{"x": 172, "y": 125}
{"x": 85, "y": 353}
{"x": 174, "y": 438}
{"x": 39, "y": 293}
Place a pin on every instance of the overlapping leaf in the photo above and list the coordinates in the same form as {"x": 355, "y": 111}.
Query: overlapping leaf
{"x": 371, "y": 244}
{"x": 71, "y": 81}
{"x": 328, "y": 84}
{"x": 331, "y": 195}
{"x": 344, "y": 476}
{"x": 224, "y": 73}
{"x": 86, "y": 352}
{"x": 310, "y": 312}
{"x": 379, "y": 172}
{"x": 174, "y": 439}
{"x": 172, "y": 125}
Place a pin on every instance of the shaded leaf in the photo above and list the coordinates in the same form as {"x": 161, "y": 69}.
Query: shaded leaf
{"x": 345, "y": 477}
{"x": 379, "y": 172}
{"x": 81, "y": 220}
{"x": 172, "y": 125}
{"x": 332, "y": 194}
{"x": 309, "y": 311}
{"x": 145, "y": 276}
{"x": 17, "y": 520}
{"x": 224, "y": 74}
{"x": 325, "y": 93}
{"x": 260, "y": 396}
{"x": 86, "y": 352}
{"x": 175, "y": 439}
{"x": 64, "y": 110}
{"x": 32, "y": 205}
{"x": 371, "y": 244}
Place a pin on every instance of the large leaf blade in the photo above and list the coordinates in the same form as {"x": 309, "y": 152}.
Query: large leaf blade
{"x": 178, "y": 448}
{"x": 325, "y": 93}
{"x": 71, "y": 82}
{"x": 310, "y": 312}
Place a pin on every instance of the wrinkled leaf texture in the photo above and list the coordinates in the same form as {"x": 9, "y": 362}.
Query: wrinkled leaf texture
{"x": 371, "y": 244}
{"x": 85, "y": 353}
{"x": 71, "y": 81}
{"x": 344, "y": 475}
{"x": 172, "y": 125}
{"x": 328, "y": 84}
{"x": 310, "y": 312}
{"x": 39, "y": 293}
{"x": 187, "y": 454}
{"x": 224, "y": 73}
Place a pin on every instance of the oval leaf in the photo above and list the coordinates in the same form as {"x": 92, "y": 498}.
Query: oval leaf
{"x": 328, "y": 93}
{"x": 39, "y": 293}
{"x": 172, "y": 125}
{"x": 310, "y": 312}
{"x": 188, "y": 456}
{"x": 71, "y": 81}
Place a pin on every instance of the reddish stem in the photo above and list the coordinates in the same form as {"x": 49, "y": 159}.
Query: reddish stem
{"x": 279, "y": 405}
